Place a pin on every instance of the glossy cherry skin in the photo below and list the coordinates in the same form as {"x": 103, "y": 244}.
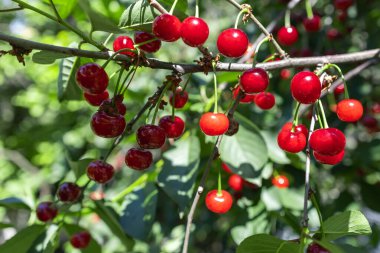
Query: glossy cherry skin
{"x": 339, "y": 90}
{"x": 96, "y": 99}
{"x": 46, "y": 211}
{"x": 194, "y": 31}
{"x": 316, "y": 248}
{"x": 343, "y": 4}
{"x": 92, "y": 78}
{"x": 226, "y": 168}
{"x": 287, "y": 36}
{"x": 214, "y": 124}
{"x": 313, "y": 24}
{"x": 113, "y": 106}
{"x": 349, "y": 110}
{"x": 327, "y": 141}
{"x": 69, "y": 192}
{"x": 179, "y": 99}
{"x": 280, "y": 181}
{"x": 232, "y": 43}
{"x": 292, "y": 142}
{"x": 236, "y": 182}
{"x": 265, "y": 100}
{"x": 254, "y": 80}
{"x": 100, "y": 172}
{"x": 329, "y": 159}
{"x": 173, "y": 128}
{"x": 167, "y": 27}
{"x": 305, "y": 87}
{"x": 299, "y": 128}
{"x": 150, "y": 47}
{"x": 124, "y": 42}
{"x": 150, "y": 136}
{"x": 107, "y": 125}
{"x": 80, "y": 240}
{"x": 138, "y": 159}
{"x": 246, "y": 99}
{"x": 218, "y": 203}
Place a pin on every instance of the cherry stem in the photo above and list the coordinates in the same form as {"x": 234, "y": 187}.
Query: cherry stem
{"x": 238, "y": 17}
{"x": 118, "y": 82}
{"x": 107, "y": 39}
{"x": 187, "y": 82}
{"x": 125, "y": 80}
{"x": 197, "y": 8}
{"x": 219, "y": 183}
{"x": 145, "y": 42}
{"x": 309, "y": 9}
{"x": 287, "y": 18}
{"x": 55, "y": 10}
{"x": 266, "y": 39}
{"x": 215, "y": 89}
{"x": 117, "y": 53}
{"x": 173, "y": 102}
{"x": 270, "y": 58}
{"x": 159, "y": 102}
{"x": 322, "y": 111}
{"x": 346, "y": 95}
{"x": 319, "y": 118}
{"x": 295, "y": 118}
{"x": 316, "y": 205}
{"x": 173, "y": 7}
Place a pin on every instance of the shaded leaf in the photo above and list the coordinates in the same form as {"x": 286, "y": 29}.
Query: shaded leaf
{"x": 27, "y": 236}
{"x": 47, "y": 57}
{"x": 79, "y": 167}
{"x": 265, "y": 244}
{"x": 275, "y": 153}
{"x": 138, "y": 16}
{"x": 14, "y": 203}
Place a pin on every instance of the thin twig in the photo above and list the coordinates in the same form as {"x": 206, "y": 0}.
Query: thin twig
{"x": 158, "y": 6}
{"x": 55, "y": 10}
{"x": 12, "y": 9}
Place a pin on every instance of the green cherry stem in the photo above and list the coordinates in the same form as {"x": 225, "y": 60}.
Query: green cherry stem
{"x": 117, "y": 53}
{"x": 346, "y": 95}
{"x": 219, "y": 182}
{"x": 173, "y": 7}
{"x": 197, "y": 8}
{"x": 295, "y": 118}
{"x": 215, "y": 89}
{"x": 118, "y": 81}
{"x": 173, "y": 103}
{"x": 309, "y": 9}
{"x": 270, "y": 58}
{"x": 187, "y": 82}
{"x": 287, "y": 18}
{"x": 125, "y": 80}
{"x": 266, "y": 39}
{"x": 316, "y": 205}
{"x": 238, "y": 17}
{"x": 108, "y": 39}
{"x": 159, "y": 102}
{"x": 318, "y": 115}
{"x": 145, "y": 42}
{"x": 322, "y": 111}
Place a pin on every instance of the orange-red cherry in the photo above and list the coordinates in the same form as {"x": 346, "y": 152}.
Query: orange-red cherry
{"x": 349, "y": 110}
{"x": 280, "y": 181}
{"x": 219, "y": 202}
{"x": 214, "y": 123}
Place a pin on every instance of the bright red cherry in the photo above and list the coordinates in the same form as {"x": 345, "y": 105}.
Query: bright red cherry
{"x": 96, "y": 99}
{"x": 138, "y": 159}
{"x": 179, "y": 99}
{"x": 339, "y": 90}
{"x": 287, "y": 36}
{"x": 246, "y": 99}
{"x": 316, "y": 248}
{"x": 69, "y": 192}
{"x": 107, "y": 125}
{"x": 92, "y": 78}
{"x": 100, "y": 172}
{"x": 285, "y": 74}
{"x": 292, "y": 142}
{"x": 299, "y": 128}
{"x": 194, "y": 31}
{"x": 329, "y": 159}
{"x": 305, "y": 87}
{"x": 254, "y": 80}
{"x": 214, "y": 123}
{"x": 327, "y": 141}
{"x": 167, "y": 27}
{"x": 150, "y": 136}
{"x": 236, "y": 182}
{"x": 124, "y": 42}
{"x": 226, "y": 168}
{"x": 232, "y": 43}
{"x": 80, "y": 240}
{"x": 280, "y": 181}
{"x": 218, "y": 202}
{"x": 151, "y": 47}
{"x": 343, "y": 4}
{"x": 313, "y": 24}
{"x": 265, "y": 100}
{"x": 173, "y": 128}
{"x": 349, "y": 110}
{"x": 46, "y": 211}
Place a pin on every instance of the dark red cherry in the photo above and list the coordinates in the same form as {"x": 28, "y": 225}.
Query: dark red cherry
{"x": 254, "y": 80}
{"x": 100, "y": 172}
{"x": 96, "y": 99}
{"x": 246, "y": 99}
{"x": 107, "y": 125}
{"x": 316, "y": 248}
{"x": 292, "y": 142}
{"x": 150, "y": 136}
{"x": 329, "y": 159}
{"x": 285, "y": 74}
{"x": 124, "y": 42}
{"x": 69, "y": 192}
{"x": 305, "y": 87}
{"x": 375, "y": 108}
{"x": 173, "y": 128}
{"x": 92, "y": 78}
{"x": 180, "y": 98}
{"x": 327, "y": 141}
{"x": 313, "y": 24}
{"x": 151, "y": 47}
{"x": 265, "y": 100}
{"x": 80, "y": 240}
{"x": 343, "y": 4}
{"x": 138, "y": 159}
{"x": 333, "y": 34}
{"x": 369, "y": 122}
{"x": 218, "y": 202}
{"x": 287, "y": 36}
{"x": 46, "y": 211}
{"x": 167, "y": 27}
{"x": 232, "y": 43}
{"x": 113, "y": 106}
{"x": 236, "y": 182}
{"x": 339, "y": 90}
{"x": 349, "y": 110}
{"x": 194, "y": 31}
{"x": 214, "y": 124}
{"x": 280, "y": 181}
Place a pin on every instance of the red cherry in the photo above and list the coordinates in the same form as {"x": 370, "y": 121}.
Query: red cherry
{"x": 292, "y": 142}
{"x": 254, "y": 80}
{"x": 285, "y": 74}
{"x": 246, "y": 99}
{"x": 214, "y": 123}
{"x": 349, "y": 110}
{"x": 369, "y": 122}
{"x": 375, "y": 108}
{"x": 305, "y": 87}
{"x": 316, "y": 248}
{"x": 92, "y": 78}
{"x": 121, "y": 108}
{"x": 329, "y": 159}
{"x": 299, "y": 128}
{"x": 150, "y": 136}
{"x": 342, "y": 15}
{"x": 100, "y": 172}
{"x": 180, "y": 98}
{"x": 138, "y": 159}
{"x": 226, "y": 168}
{"x": 265, "y": 100}
{"x": 167, "y": 27}
{"x": 327, "y": 141}
{"x": 69, "y": 192}
{"x": 124, "y": 42}
{"x": 173, "y": 128}
{"x": 107, "y": 125}
{"x": 80, "y": 240}
{"x": 194, "y": 31}
{"x": 333, "y": 34}
{"x": 313, "y": 24}
{"x": 232, "y": 43}
{"x": 280, "y": 181}
{"x": 287, "y": 36}
{"x": 343, "y": 4}
{"x": 236, "y": 182}
{"x": 113, "y": 106}
{"x": 46, "y": 211}
{"x": 339, "y": 90}
{"x": 218, "y": 203}
{"x": 151, "y": 47}
{"x": 96, "y": 99}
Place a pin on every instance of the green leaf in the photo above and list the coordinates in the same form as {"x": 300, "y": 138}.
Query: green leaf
{"x": 67, "y": 86}
{"x": 23, "y": 240}
{"x": 266, "y": 244}
{"x": 276, "y": 154}
{"x": 64, "y": 7}
{"x": 275, "y": 199}
{"x": 79, "y": 167}
{"x": 14, "y": 203}
{"x": 180, "y": 168}
{"x": 138, "y": 16}
{"x": 47, "y": 242}
{"x": 110, "y": 218}
{"x": 47, "y": 57}
{"x": 93, "y": 246}
{"x": 6, "y": 225}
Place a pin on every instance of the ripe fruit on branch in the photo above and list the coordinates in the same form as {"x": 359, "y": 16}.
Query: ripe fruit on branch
{"x": 292, "y": 142}
{"x": 167, "y": 27}
{"x": 138, "y": 159}
{"x": 150, "y": 136}
{"x": 236, "y": 182}
{"x": 265, "y": 100}
{"x": 285, "y": 74}
{"x": 280, "y": 181}
{"x": 100, "y": 172}
{"x": 232, "y": 43}
{"x": 299, "y": 128}
{"x": 80, "y": 240}
{"x": 92, "y": 78}
{"x": 287, "y": 36}
{"x": 179, "y": 99}
{"x": 343, "y": 4}
{"x": 316, "y": 248}
{"x": 113, "y": 106}
{"x": 96, "y": 99}
{"x": 194, "y": 31}
{"x": 246, "y": 99}
{"x": 151, "y": 47}
{"x": 312, "y": 24}
{"x": 173, "y": 128}
{"x": 124, "y": 42}
{"x": 328, "y": 141}
{"x": 69, "y": 192}
{"x": 339, "y": 89}
{"x": 349, "y": 110}
{"x": 214, "y": 124}
{"x": 107, "y": 125}
{"x": 226, "y": 168}
{"x": 305, "y": 87}
{"x": 329, "y": 159}
{"x": 46, "y": 211}
{"x": 369, "y": 122}
{"x": 218, "y": 203}
{"x": 254, "y": 80}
